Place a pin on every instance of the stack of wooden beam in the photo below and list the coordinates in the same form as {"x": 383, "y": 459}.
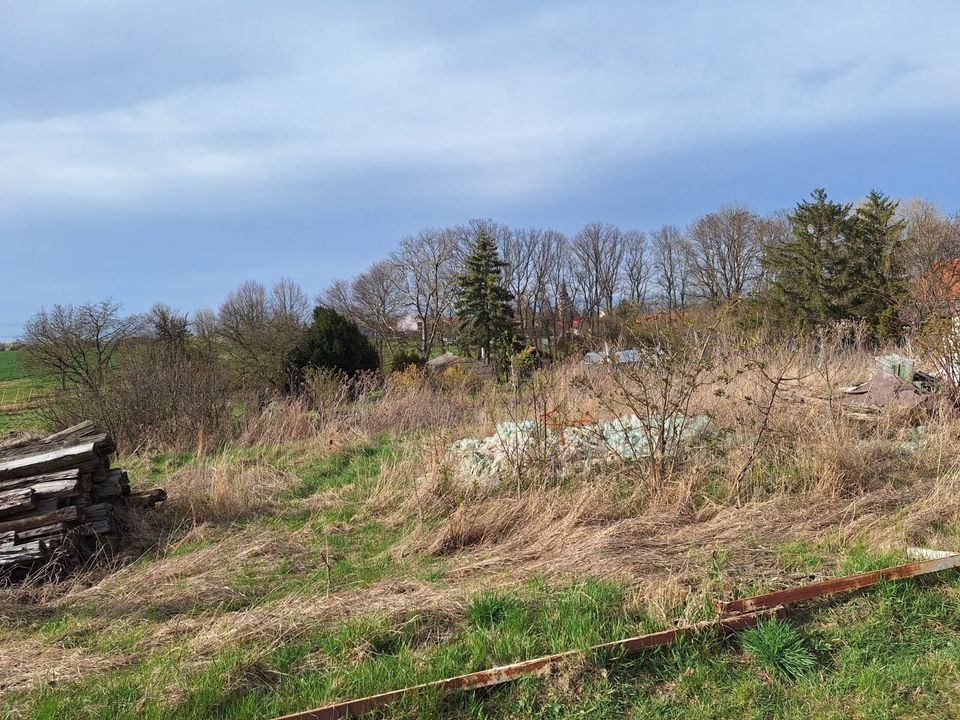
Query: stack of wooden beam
{"x": 57, "y": 496}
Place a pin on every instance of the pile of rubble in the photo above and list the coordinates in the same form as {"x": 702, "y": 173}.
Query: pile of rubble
{"x": 484, "y": 461}
{"x": 896, "y": 383}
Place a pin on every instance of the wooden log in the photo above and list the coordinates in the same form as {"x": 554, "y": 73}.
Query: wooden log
{"x": 28, "y": 556}
{"x": 22, "y": 554}
{"x": 97, "y": 511}
{"x": 55, "y": 488}
{"x": 64, "y": 515}
{"x": 71, "y": 474}
{"x": 14, "y": 502}
{"x": 49, "y": 504}
{"x": 110, "y": 486}
{"x": 70, "y": 436}
{"x": 77, "y": 431}
{"x": 43, "y": 531}
{"x": 148, "y": 498}
{"x": 7, "y": 537}
{"x": 56, "y": 459}
{"x": 96, "y": 528}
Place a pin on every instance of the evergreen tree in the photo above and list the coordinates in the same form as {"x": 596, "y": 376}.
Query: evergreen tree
{"x": 873, "y": 261}
{"x": 334, "y": 342}
{"x": 809, "y": 284}
{"x": 839, "y": 264}
{"x": 483, "y": 304}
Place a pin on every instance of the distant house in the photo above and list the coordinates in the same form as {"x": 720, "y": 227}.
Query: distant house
{"x": 408, "y": 323}
{"x": 941, "y": 286}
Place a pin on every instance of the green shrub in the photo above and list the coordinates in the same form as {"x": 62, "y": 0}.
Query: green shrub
{"x": 402, "y": 359}
{"x": 334, "y": 342}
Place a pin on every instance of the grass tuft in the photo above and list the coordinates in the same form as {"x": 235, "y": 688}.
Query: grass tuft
{"x": 780, "y": 649}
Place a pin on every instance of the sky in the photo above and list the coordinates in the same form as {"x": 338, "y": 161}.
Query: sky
{"x": 166, "y": 151}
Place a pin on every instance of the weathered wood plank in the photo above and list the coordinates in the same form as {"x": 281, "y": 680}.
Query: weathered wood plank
{"x": 17, "y": 501}
{"x": 39, "y": 532}
{"x": 51, "y": 460}
{"x": 55, "y": 488}
{"x": 71, "y": 474}
{"x": 65, "y": 515}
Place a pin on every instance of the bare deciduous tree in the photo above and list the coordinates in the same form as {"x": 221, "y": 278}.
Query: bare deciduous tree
{"x": 205, "y": 327}
{"x": 670, "y": 266}
{"x": 724, "y": 253}
{"x": 548, "y": 273}
{"x": 77, "y": 344}
{"x": 636, "y": 267}
{"x": 167, "y": 325}
{"x": 377, "y": 300}
{"x": 337, "y": 296}
{"x": 261, "y": 328}
{"x": 519, "y": 249}
{"x": 288, "y": 303}
{"x": 427, "y": 267}
{"x": 597, "y": 257}
{"x": 930, "y": 239}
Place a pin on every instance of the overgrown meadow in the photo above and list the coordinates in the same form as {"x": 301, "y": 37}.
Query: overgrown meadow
{"x": 332, "y": 544}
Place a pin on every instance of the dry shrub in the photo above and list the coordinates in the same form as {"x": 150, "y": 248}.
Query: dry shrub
{"x": 327, "y": 391}
{"x": 785, "y": 462}
{"x": 417, "y": 406}
{"x": 160, "y": 396}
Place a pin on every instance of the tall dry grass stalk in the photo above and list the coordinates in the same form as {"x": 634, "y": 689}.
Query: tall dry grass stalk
{"x": 779, "y": 435}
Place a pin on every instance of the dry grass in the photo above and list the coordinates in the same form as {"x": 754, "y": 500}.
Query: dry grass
{"x": 225, "y": 490}
{"x": 814, "y": 474}
{"x": 793, "y": 467}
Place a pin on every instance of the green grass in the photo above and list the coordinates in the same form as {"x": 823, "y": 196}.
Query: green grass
{"x": 20, "y": 421}
{"x": 886, "y": 653}
{"x": 20, "y": 391}
{"x": 779, "y": 648}
{"x": 11, "y": 366}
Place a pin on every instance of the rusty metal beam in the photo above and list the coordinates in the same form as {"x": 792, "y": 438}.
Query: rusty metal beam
{"x": 843, "y": 584}
{"x": 535, "y": 667}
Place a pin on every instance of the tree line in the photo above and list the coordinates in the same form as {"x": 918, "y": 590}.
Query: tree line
{"x": 820, "y": 262}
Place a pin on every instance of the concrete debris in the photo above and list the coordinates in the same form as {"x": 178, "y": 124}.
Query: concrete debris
{"x": 617, "y": 358}
{"x": 484, "y": 461}
{"x": 896, "y": 384}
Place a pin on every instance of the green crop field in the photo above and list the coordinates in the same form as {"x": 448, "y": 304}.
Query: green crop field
{"x": 21, "y": 392}
{"x": 12, "y": 366}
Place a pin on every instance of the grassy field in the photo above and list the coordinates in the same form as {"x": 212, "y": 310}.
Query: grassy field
{"x": 20, "y": 393}
{"x": 889, "y": 652}
{"x": 309, "y": 562}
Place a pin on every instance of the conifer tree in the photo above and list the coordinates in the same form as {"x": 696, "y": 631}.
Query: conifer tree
{"x": 808, "y": 285}
{"x": 877, "y": 280}
{"x": 483, "y": 304}
{"x": 839, "y": 264}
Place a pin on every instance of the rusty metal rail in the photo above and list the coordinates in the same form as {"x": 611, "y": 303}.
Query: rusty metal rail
{"x": 537, "y": 666}
{"x": 843, "y": 584}
{"x": 736, "y": 615}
